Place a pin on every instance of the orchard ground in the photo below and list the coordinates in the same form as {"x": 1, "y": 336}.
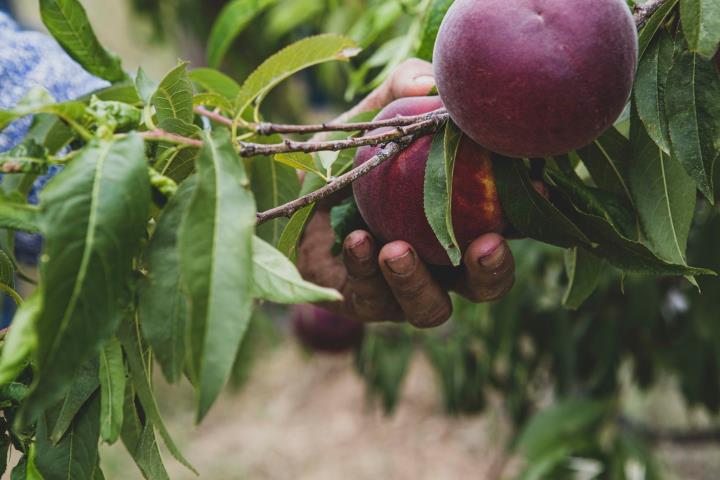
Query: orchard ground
{"x": 306, "y": 417}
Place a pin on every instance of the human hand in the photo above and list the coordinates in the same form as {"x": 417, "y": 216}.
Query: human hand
{"x": 390, "y": 282}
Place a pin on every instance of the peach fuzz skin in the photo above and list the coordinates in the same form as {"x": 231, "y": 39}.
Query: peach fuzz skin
{"x": 390, "y": 198}
{"x": 534, "y": 78}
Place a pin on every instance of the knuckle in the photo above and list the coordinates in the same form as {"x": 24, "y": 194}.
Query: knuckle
{"x": 410, "y": 289}
{"x": 489, "y": 280}
{"x": 491, "y": 293}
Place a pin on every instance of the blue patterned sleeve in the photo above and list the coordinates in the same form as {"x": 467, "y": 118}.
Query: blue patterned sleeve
{"x": 29, "y": 59}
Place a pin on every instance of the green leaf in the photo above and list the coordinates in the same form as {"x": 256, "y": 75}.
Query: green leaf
{"x": 93, "y": 215}
{"x": 277, "y": 279}
{"x": 214, "y": 81}
{"x": 112, "y": 390}
{"x": 215, "y": 244}
{"x": 431, "y": 25}
{"x": 300, "y": 55}
{"x": 231, "y": 21}
{"x": 75, "y": 457}
{"x": 693, "y": 111}
{"x": 7, "y": 270}
{"x": 375, "y": 20}
{"x": 163, "y": 307}
{"x": 173, "y": 98}
{"x": 26, "y": 469}
{"x": 701, "y": 24}
{"x": 39, "y": 100}
{"x": 583, "y": 270}
{"x": 291, "y": 15}
{"x": 546, "y": 467}
{"x": 129, "y": 336}
{"x": 628, "y": 255}
{"x": 651, "y": 27}
{"x": 14, "y": 392}
{"x": 125, "y": 92}
{"x": 273, "y": 184}
{"x": 28, "y": 157}
{"x": 139, "y": 440}
{"x": 345, "y": 218}
{"x": 84, "y": 384}
{"x": 21, "y": 339}
{"x": 607, "y": 160}
{"x": 438, "y": 189}
{"x": 528, "y": 211}
{"x": 300, "y": 161}
{"x": 564, "y": 425}
{"x": 176, "y": 163}
{"x": 68, "y": 23}
{"x": 213, "y": 101}
{"x": 50, "y": 132}
{"x": 18, "y": 216}
{"x": 598, "y": 202}
{"x": 293, "y": 231}
{"x": 649, "y": 90}
{"x": 145, "y": 86}
{"x": 664, "y": 196}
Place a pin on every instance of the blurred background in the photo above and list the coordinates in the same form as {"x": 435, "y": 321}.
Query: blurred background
{"x": 626, "y": 386}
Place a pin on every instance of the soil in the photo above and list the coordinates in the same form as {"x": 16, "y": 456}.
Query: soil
{"x": 306, "y": 417}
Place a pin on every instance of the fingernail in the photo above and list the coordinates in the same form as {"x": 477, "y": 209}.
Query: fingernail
{"x": 425, "y": 81}
{"x": 403, "y": 264}
{"x": 360, "y": 249}
{"x": 494, "y": 259}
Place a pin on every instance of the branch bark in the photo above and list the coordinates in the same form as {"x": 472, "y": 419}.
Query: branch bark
{"x": 268, "y": 128}
{"x": 288, "y": 146}
{"x": 273, "y": 128}
{"x": 642, "y": 13}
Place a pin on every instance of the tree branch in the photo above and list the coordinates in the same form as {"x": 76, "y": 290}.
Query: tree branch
{"x": 214, "y": 116}
{"x": 426, "y": 124}
{"x": 272, "y": 128}
{"x": 337, "y": 184}
{"x": 642, "y": 13}
{"x": 288, "y": 146}
{"x": 163, "y": 136}
{"x": 268, "y": 128}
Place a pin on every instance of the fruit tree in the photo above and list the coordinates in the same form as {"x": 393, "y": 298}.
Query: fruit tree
{"x": 588, "y": 130}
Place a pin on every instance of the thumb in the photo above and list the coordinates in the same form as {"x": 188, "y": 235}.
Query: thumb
{"x": 413, "y": 78}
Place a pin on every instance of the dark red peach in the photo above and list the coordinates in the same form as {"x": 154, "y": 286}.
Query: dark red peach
{"x": 390, "y": 198}
{"x": 324, "y": 331}
{"x": 532, "y": 78}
